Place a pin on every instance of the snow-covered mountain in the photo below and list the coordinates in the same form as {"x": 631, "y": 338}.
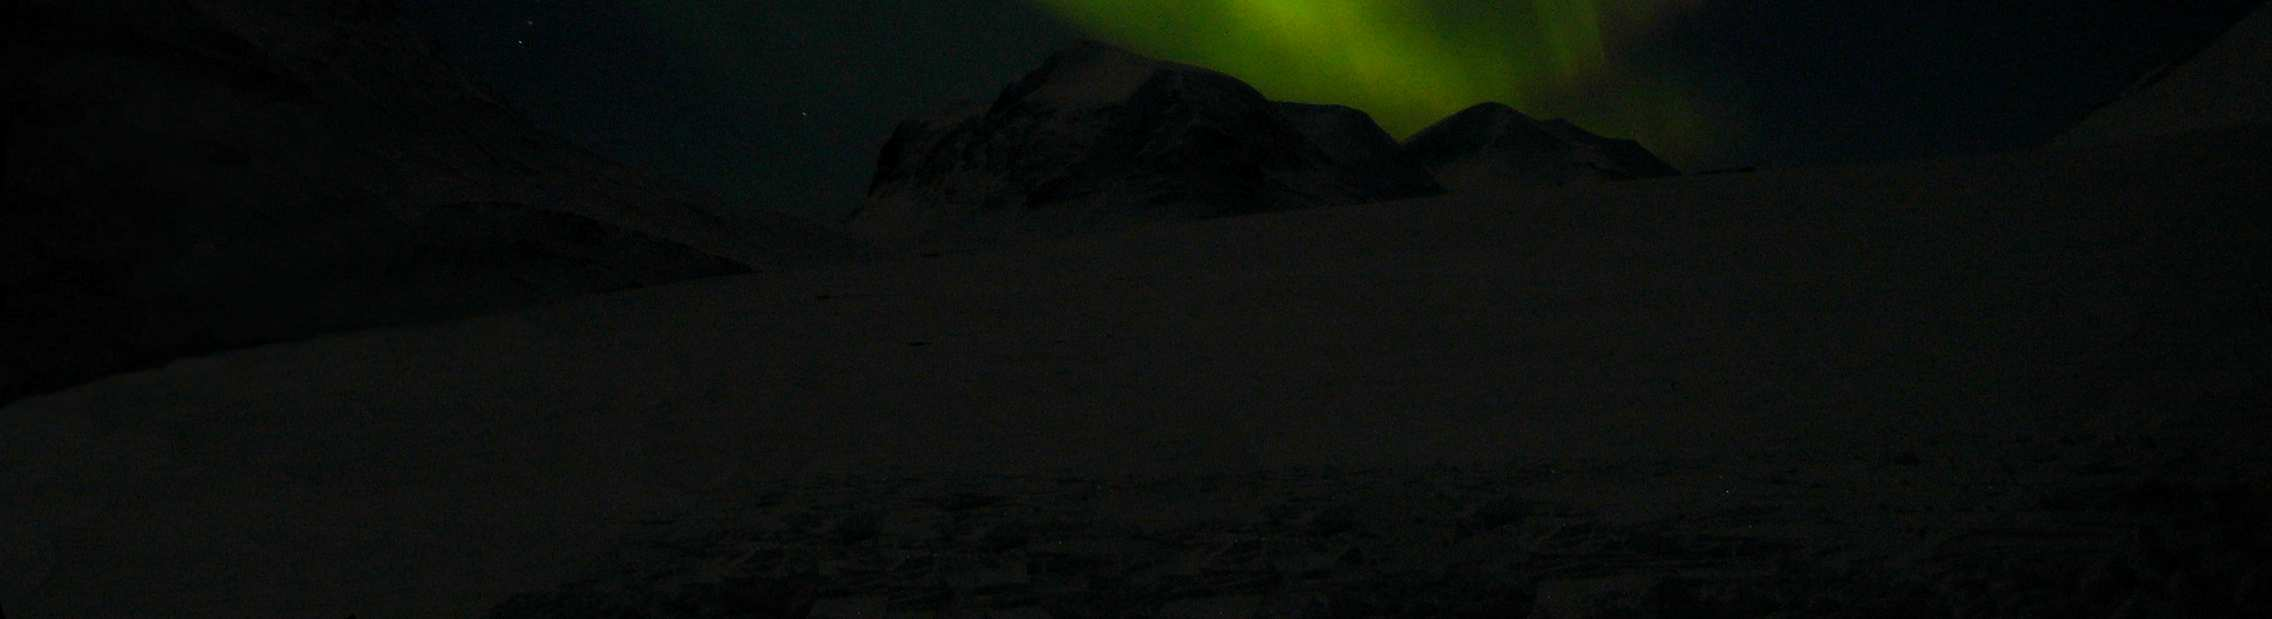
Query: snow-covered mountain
{"x": 1100, "y": 138}
{"x": 2227, "y": 83}
{"x": 1491, "y": 145}
{"x": 191, "y": 176}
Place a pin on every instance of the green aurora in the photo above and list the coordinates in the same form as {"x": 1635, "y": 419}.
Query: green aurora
{"x": 1409, "y": 63}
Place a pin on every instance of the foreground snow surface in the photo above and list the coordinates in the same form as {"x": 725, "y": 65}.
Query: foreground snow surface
{"x": 1856, "y": 367}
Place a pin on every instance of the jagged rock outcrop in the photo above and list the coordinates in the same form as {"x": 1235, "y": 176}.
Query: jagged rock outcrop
{"x": 2226, "y": 83}
{"x": 189, "y": 176}
{"x": 1353, "y": 141}
{"x": 1100, "y": 138}
{"x": 1490, "y": 145}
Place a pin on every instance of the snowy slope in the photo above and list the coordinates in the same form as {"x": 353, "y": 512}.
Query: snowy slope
{"x": 1941, "y": 308}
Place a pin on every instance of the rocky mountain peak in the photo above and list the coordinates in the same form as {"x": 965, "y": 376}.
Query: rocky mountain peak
{"x": 1100, "y": 138}
{"x": 1492, "y": 144}
{"x": 1092, "y": 74}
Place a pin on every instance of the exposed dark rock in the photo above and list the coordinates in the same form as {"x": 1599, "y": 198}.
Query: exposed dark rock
{"x": 1099, "y": 138}
{"x": 1491, "y": 144}
{"x": 2164, "y": 547}
{"x": 1352, "y": 140}
{"x": 190, "y": 176}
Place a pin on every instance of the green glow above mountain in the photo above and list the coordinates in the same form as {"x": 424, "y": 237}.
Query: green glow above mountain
{"x": 1411, "y": 62}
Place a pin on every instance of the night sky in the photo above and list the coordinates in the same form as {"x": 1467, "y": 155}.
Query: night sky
{"x": 783, "y": 104}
